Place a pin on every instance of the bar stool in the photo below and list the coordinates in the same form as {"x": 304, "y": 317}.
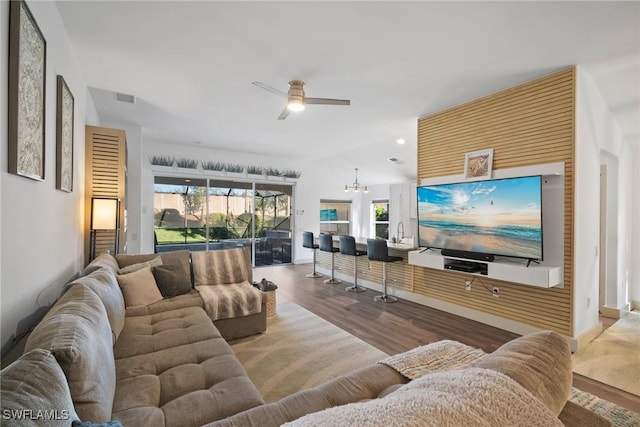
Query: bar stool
{"x": 326, "y": 245}
{"x": 307, "y": 242}
{"x": 377, "y": 250}
{"x": 348, "y": 247}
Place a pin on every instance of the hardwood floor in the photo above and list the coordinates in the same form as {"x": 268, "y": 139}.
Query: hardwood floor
{"x": 401, "y": 326}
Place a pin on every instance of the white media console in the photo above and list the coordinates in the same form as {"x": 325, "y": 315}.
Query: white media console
{"x": 504, "y": 269}
{"x": 546, "y": 275}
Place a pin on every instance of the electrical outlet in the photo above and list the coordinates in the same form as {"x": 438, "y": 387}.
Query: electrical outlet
{"x": 496, "y": 292}
{"x": 467, "y": 285}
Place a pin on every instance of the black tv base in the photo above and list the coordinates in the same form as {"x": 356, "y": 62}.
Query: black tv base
{"x": 466, "y": 266}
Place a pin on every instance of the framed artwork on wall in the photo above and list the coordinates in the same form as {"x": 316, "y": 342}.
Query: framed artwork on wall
{"x": 27, "y": 73}
{"x": 64, "y": 137}
{"x": 478, "y": 164}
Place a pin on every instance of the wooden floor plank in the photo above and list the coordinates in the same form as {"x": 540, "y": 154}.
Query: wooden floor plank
{"x": 401, "y": 326}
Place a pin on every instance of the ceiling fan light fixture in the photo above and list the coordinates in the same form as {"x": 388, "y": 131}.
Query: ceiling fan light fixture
{"x": 295, "y": 104}
{"x": 296, "y": 99}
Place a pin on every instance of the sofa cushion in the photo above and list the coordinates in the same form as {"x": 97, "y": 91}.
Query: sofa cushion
{"x": 469, "y": 396}
{"x": 162, "y": 330}
{"x": 35, "y": 382}
{"x": 77, "y": 331}
{"x": 101, "y": 261}
{"x": 171, "y": 280}
{"x": 139, "y": 266}
{"x": 103, "y": 282}
{"x": 139, "y": 288}
{"x": 190, "y": 299}
{"x": 174, "y": 368}
{"x": 175, "y": 257}
{"x": 540, "y": 362}
{"x": 221, "y": 267}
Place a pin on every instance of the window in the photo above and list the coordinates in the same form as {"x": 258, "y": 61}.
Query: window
{"x": 211, "y": 214}
{"x": 380, "y": 215}
{"x": 335, "y": 217}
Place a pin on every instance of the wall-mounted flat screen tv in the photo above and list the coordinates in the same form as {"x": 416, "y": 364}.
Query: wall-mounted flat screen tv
{"x": 502, "y": 217}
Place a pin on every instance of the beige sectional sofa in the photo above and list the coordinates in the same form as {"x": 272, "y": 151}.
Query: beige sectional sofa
{"x": 167, "y": 364}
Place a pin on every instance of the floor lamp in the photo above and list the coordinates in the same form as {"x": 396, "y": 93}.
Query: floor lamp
{"x": 105, "y": 216}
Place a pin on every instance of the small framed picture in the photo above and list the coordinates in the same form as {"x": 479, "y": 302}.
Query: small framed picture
{"x": 478, "y": 164}
{"x": 64, "y": 137}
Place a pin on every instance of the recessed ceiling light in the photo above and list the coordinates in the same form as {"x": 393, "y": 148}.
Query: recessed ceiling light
{"x": 400, "y": 141}
{"x": 393, "y": 160}
{"x": 187, "y": 180}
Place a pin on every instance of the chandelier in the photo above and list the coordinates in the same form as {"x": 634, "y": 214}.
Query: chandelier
{"x": 356, "y": 186}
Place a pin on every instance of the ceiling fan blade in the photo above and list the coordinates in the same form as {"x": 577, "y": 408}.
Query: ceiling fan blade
{"x": 284, "y": 114}
{"x": 327, "y": 101}
{"x": 269, "y": 88}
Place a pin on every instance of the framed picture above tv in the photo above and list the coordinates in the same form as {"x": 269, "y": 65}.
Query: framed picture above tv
{"x": 478, "y": 164}
{"x": 501, "y": 217}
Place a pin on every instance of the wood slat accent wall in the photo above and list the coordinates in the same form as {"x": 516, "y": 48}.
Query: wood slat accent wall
{"x": 105, "y": 176}
{"x": 529, "y": 124}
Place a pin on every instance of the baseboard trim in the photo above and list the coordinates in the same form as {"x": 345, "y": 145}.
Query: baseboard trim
{"x": 587, "y": 336}
{"x": 616, "y": 313}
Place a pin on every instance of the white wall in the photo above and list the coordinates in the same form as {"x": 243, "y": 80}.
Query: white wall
{"x": 631, "y": 212}
{"x": 41, "y": 227}
{"x": 596, "y": 132}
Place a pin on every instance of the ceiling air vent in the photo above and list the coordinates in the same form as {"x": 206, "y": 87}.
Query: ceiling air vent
{"x": 123, "y": 97}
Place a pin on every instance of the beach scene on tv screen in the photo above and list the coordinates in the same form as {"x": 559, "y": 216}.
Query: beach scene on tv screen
{"x": 500, "y": 217}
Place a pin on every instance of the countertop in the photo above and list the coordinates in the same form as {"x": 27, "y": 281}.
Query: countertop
{"x": 396, "y": 246}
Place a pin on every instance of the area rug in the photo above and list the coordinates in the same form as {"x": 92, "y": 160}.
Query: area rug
{"x": 619, "y": 416}
{"x": 613, "y": 357}
{"x": 300, "y": 350}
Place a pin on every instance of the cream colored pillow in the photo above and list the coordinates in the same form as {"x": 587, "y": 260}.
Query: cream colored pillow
{"x": 157, "y": 261}
{"x": 139, "y": 288}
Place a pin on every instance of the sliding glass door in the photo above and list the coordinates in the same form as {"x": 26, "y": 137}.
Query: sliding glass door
{"x": 212, "y": 214}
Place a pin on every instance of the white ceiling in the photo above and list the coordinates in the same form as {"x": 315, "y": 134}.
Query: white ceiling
{"x": 191, "y": 64}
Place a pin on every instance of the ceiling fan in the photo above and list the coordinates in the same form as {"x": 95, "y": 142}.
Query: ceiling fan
{"x": 296, "y": 98}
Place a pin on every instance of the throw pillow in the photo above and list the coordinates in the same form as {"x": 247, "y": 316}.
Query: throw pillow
{"x": 171, "y": 280}
{"x": 139, "y": 288}
{"x": 139, "y": 266}
{"x": 35, "y": 383}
